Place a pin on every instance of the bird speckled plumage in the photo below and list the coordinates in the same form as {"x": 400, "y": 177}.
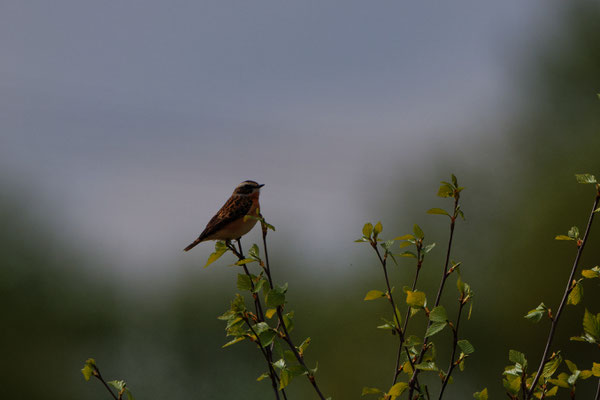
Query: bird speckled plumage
{"x": 228, "y": 223}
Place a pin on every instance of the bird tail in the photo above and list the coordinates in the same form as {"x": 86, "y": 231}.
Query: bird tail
{"x": 192, "y": 245}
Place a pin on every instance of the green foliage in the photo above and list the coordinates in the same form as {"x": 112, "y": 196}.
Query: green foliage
{"x": 537, "y": 313}
{"x": 416, "y": 298}
{"x": 483, "y": 395}
{"x": 88, "y": 368}
{"x": 220, "y": 249}
{"x": 585, "y": 178}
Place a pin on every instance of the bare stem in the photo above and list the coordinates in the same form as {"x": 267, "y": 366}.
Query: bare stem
{"x": 598, "y": 391}
{"x": 568, "y": 289}
{"x": 286, "y": 335}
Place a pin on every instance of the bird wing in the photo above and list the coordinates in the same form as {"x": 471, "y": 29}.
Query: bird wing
{"x": 236, "y": 207}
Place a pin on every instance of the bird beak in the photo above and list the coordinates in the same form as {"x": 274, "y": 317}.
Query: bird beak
{"x": 261, "y": 185}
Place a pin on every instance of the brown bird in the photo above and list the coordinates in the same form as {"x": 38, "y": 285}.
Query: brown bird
{"x": 229, "y": 222}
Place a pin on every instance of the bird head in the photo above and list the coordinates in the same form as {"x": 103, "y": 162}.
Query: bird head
{"x": 247, "y": 188}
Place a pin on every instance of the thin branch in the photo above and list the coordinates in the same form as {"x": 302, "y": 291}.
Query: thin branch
{"x": 568, "y": 289}
{"x": 259, "y": 315}
{"x": 439, "y": 293}
{"x": 453, "y": 363}
{"x": 98, "y": 375}
{"x": 286, "y": 335}
{"x": 268, "y": 358}
{"x": 598, "y": 391}
{"x": 405, "y": 327}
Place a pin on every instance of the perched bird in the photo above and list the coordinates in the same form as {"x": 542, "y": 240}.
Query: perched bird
{"x": 229, "y": 223}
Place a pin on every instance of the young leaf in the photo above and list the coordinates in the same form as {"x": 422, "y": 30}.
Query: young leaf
{"x": 537, "y": 313}
{"x": 576, "y": 294}
{"x": 270, "y": 312}
{"x": 374, "y": 294}
{"x": 370, "y": 390}
{"x": 418, "y": 231}
{"x": 518, "y": 358}
{"x": 562, "y": 237}
{"x": 483, "y": 395}
{"x": 367, "y": 230}
{"x": 397, "y": 389}
{"x": 466, "y": 346}
{"x": 591, "y": 273}
{"x": 585, "y": 178}
{"x": 244, "y": 282}
{"x": 438, "y": 211}
{"x": 220, "y": 249}
{"x": 435, "y": 328}
{"x": 551, "y": 366}
{"x": 591, "y": 324}
{"x": 377, "y": 229}
{"x": 234, "y": 341}
{"x": 438, "y": 314}
{"x": 88, "y": 368}
{"x": 596, "y": 369}
{"x": 276, "y": 296}
{"x": 415, "y": 299}
{"x": 573, "y": 232}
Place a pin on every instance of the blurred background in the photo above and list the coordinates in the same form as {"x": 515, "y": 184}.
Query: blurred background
{"x": 124, "y": 126}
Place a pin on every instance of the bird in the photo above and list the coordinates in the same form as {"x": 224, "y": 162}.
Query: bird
{"x": 229, "y": 222}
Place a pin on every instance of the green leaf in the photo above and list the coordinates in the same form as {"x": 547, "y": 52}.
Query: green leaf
{"x": 270, "y": 312}
{"x": 585, "y": 178}
{"x": 428, "y": 248}
{"x": 438, "y": 314}
{"x": 245, "y": 261}
{"x": 415, "y": 299}
{"x": 591, "y": 273}
{"x": 408, "y": 254}
{"x": 119, "y": 385}
{"x": 573, "y": 232}
{"x": 576, "y": 294}
{"x": 551, "y": 366}
{"x": 596, "y": 369}
{"x": 512, "y": 384}
{"x": 537, "y": 313}
{"x": 518, "y": 358}
{"x": 304, "y": 345}
{"x": 88, "y": 368}
{"x": 244, "y": 282}
{"x": 263, "y": 376}
{"x": 438, "y": 211}
{"x": 591, "y": 324}
{"x": 397, "y": 389}
{"x": 418, "y": 231}
{"x": 284, "y": 378}
{"x": 254, "y": 252}
{"x": 571, "y": 365}
{"x": 367, "y": 230}
{"x": 374, "y": 294}
{"x": 404, "y": 237}
{"x": 561, "y": 380}
{"x": 552, "y": 392}
{"x": 276, "y": 296}
{"x": 435, "y": 328}
{"x": 220, "y": 249}
{"x": 483, "y": 395}
{"x": 370, "y": 390}
{"x": 445, "y": 191}
{"x": 562, "y": 237}
{"x": 234, "y": 341}
{"x": 427, "y": 366}
{"x": 267, "y": 337}
{"x": 377, "y": 229}
{"x": 466, "y": 346}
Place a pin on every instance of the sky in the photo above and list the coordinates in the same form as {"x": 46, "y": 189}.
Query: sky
{"x": 133, "y": 121}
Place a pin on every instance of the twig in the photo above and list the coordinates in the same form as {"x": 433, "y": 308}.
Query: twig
{"x": 286, "y": 337}
{"x": 580, "y": 246}
{"x": 268, "y": 358}
{"x": 401, "y": 331}
{"x": 598, "y": 391}
{"x": 439, "y": 293}
{"x": 268, "y": 351}
{"x": 462, "y": 302}
{"x": 98, "y": 375}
